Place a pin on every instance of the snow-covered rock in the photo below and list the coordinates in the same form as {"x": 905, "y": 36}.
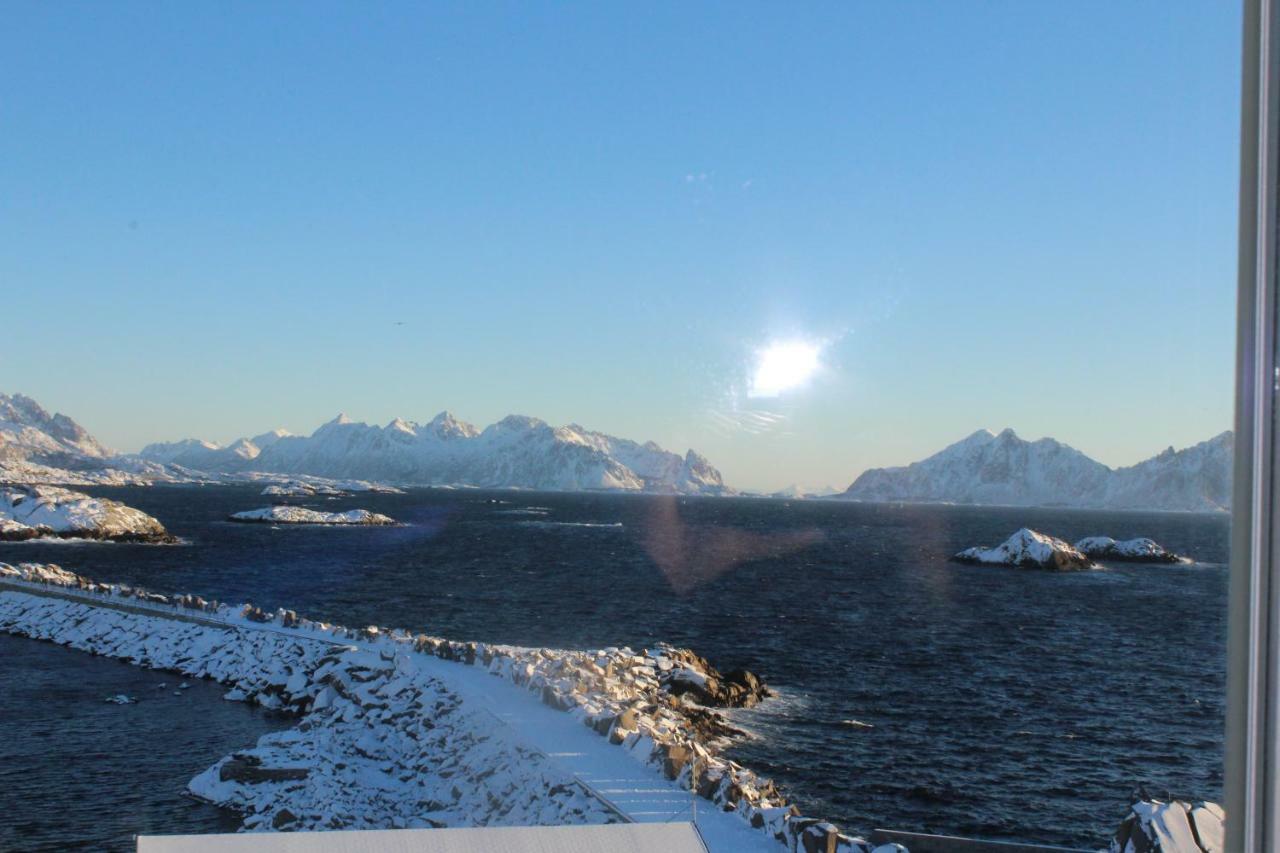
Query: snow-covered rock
{"x": 1155, "y": 826}
{"x": 516, "y": 452}
{"x": 1028, "y": 549}
{"x": 1003, "y": 469}
{"x": 32, "y": 512}
{"x": 281, "y": 514}
{"x": 1139, "y": 550}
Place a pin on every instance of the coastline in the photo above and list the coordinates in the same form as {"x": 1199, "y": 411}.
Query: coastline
{"x": 353, "y": 685}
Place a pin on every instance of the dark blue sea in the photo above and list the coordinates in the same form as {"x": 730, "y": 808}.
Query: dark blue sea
{"x": 914, "y": 693}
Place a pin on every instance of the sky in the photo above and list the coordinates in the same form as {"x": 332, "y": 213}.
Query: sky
{"x": 217, "y": 219}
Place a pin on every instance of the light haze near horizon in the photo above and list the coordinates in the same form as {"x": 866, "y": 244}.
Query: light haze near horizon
{"x": 223, "y": 219}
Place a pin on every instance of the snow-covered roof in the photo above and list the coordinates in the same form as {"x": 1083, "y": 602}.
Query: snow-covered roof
{"x": 617, "y": 838}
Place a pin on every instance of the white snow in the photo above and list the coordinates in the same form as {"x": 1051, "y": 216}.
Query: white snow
{"x": 281, "y": 514}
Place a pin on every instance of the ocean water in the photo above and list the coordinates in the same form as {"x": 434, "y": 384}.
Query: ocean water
{"x": 914, "y": 693}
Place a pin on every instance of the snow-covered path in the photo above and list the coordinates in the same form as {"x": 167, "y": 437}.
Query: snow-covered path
{"x": 635, "y": 789}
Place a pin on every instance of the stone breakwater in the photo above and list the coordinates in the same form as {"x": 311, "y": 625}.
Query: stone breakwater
{"x": 383, "y": 742}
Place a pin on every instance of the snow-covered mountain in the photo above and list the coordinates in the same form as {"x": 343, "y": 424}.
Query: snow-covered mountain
{"x": 518, "y": 451}
{"x": 986, "y": 468}
{"x": 30, "y": 434}
{"x": 1194, "y": 478}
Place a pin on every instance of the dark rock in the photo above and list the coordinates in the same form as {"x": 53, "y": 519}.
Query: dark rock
{"x": 243, "y": 769}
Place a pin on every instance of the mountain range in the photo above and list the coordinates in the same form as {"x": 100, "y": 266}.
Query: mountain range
{"x": 516, "y": 452}
{"x": 1004, "y": 469}
{"x": 524, "y": 452}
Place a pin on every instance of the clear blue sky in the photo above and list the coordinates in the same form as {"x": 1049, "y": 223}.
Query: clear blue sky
{"x": 213, "y": 216}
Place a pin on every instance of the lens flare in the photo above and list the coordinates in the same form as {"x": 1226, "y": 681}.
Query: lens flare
{"x": 784, "y": 366}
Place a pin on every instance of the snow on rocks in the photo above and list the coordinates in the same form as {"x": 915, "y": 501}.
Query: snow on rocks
{"x": 283, "y": 514}
{"x": 385, "y": 741}
{"x": 1170, "y": 827}
{"x": 312, "y": 487}
{"x": 1139, "y": 550}
{"x": 32, "y": 512}
{"x": 683, "y": 673}
{"x": 1029, "y": 549}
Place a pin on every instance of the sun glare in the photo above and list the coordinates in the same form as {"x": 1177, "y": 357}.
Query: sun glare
{"x": 783, "y": 366}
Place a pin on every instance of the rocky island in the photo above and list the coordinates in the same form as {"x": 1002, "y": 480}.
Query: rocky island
{"x": 1139, "y": 550}
{"x": 38, "y": 512}
{"x": 1029, "y": 549}
{"x": 282, "y": 514}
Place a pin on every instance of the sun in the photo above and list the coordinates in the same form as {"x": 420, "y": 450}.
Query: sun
{"x": 784, "y": 366}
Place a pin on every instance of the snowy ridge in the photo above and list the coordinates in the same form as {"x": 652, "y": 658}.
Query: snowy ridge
{"x": 387, "y": 741}
{"x": 516, "y": 452}
{"x": 1004, "y": 469}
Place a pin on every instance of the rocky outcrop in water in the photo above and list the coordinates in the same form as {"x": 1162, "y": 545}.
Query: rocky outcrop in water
{"x": 1127, "y": 551}
{"x": 34, "y": 512}
{"x": 1170, "y": 826}
{"x": 683, "y": 673}
{"x": 1028, "y": 549}
{"x": 284, "y": 514}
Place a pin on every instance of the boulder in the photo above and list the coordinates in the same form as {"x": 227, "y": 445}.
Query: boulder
{"x": 1169, "y": 826}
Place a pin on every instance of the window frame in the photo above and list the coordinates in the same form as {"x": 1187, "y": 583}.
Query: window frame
{"x": 1253, "y": 703}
